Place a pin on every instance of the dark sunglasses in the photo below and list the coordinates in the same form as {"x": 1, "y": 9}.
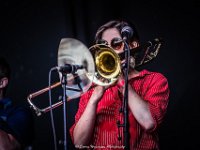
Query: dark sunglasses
{"x": 116, "y": 43}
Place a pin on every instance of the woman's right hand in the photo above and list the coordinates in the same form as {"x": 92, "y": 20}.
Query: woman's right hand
{"x": 97, "y": 93}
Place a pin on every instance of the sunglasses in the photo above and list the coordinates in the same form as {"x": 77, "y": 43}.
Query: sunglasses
{"x": 116, "y": 43}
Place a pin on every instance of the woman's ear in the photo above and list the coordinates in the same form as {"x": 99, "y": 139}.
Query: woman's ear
{"x": 4, "y": 82}
{"x": 134, "y": 44}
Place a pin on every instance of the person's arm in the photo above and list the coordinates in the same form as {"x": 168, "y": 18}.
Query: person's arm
{"x": 149, "y": 110}
{"x": 8, "y": 142}
{"x": 83, "y": 130}
{"x": 140, "y": 109}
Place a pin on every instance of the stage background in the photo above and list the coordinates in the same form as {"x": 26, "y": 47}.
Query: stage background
{"x": 31, "y": 30}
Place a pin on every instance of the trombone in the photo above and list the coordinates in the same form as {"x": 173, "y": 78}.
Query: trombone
{"x": 102, "y": 66}
{"x": 38, "y": 110}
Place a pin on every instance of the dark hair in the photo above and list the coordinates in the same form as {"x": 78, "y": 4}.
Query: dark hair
{"x": 4, "y": 68}
{"x": 118, "y": 24}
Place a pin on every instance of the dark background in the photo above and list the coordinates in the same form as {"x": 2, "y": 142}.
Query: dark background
{"x": 30, "y": 32}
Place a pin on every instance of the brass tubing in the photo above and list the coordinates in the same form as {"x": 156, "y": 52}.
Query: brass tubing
{"x": 43, "y": 90}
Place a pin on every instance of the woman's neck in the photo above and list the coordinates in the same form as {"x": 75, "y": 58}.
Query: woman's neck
{"x": 133, "y": 73}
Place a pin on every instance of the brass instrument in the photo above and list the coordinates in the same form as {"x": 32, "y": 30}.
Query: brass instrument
{"x": 102, "y": 66}
{"x": 70, "y": 51}
{"x": 108, "y": 62}
{"x": 37, "y": 110}
{"x": 147, "y": 51}
{"x": 107, "y": 65}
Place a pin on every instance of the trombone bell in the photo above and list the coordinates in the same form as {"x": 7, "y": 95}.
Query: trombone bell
{"x": 107, "y": 65}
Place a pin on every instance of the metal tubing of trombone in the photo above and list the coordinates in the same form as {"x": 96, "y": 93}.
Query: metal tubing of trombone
{"x": 40, "y": 111}
{"x": 44, "y": 90}
{"x": 37, "y": 110}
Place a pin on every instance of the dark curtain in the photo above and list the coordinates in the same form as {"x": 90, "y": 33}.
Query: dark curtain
{"x": 31, "y": 31}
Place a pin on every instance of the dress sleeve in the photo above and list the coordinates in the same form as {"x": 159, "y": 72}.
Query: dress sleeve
{"x": 82, "y": 105}
{"x": 157, "y": 95}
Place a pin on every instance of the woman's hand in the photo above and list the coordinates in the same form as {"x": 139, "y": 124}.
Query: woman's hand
{"x": 98, "y": 93}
